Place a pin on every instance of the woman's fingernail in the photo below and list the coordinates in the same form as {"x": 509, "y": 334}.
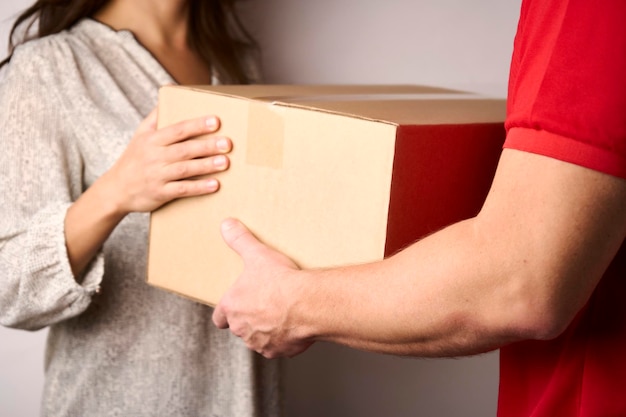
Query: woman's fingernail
{"x": 219, "y": 161}
{"x": 223, "y": 144}
{"x": 211, "y": 122}
{"x": 212, "y": 184}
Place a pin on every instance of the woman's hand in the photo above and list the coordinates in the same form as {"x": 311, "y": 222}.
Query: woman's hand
{"x": 156, "y": 167}
{"x": 161, "y": 165}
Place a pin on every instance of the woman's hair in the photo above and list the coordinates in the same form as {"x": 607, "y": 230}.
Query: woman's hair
{"x": 215, "y": 31}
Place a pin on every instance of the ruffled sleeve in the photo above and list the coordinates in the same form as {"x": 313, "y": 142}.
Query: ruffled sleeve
{"x": 41, "y": 175}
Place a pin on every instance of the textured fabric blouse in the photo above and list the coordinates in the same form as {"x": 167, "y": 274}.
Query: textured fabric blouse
{"x": 69, "y": 104}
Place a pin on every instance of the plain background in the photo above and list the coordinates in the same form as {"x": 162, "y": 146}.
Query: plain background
{"x": 451, "y": 43}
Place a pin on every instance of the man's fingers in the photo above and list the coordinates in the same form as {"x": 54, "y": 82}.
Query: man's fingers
{"x": 242, "y": 241}
{"x": 238, "y": 237}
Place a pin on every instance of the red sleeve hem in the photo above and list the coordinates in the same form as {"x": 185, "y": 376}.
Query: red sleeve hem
{"x": 566, "y": 149}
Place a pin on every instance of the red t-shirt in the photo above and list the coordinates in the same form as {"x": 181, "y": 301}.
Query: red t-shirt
{"x": 567, "y": 100}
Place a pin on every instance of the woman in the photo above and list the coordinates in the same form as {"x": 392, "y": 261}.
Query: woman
{"x": 82, "y": 166}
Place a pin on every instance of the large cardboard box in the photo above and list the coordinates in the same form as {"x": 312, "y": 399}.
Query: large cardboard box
{"x": 330, "y": 175}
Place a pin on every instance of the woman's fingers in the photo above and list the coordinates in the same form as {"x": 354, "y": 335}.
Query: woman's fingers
{"x": 149, "y": 123}
{"x": 160, "y": 165}
{"x": 186, "y": 129}
{"x": 195, "y": 167}
{"x": 189, "y": 188}
{"x": 197, "y": 148}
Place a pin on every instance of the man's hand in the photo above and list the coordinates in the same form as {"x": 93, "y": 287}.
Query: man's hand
{"x": 258, "y": 307}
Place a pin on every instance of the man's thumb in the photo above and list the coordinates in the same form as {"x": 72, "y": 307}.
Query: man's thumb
{"x": 237, "y": 236}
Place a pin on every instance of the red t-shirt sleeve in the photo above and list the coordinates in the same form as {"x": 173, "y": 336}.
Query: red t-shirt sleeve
{"x": 567, "y": 87}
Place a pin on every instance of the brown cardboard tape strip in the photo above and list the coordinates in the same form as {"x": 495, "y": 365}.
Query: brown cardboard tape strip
{"x": 266, "y": 129}
{"x": 266, "y": 135}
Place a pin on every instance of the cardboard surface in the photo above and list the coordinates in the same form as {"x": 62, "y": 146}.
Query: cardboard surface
{"x": 330, "y": 175}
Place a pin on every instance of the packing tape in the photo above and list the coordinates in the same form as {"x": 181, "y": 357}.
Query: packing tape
{"x": 266, "y": 135}
{"x": 266, "y": 126}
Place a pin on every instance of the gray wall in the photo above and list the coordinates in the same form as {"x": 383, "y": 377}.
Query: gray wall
{"x": 450, "y": 43}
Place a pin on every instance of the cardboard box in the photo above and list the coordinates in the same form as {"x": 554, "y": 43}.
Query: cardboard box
{"x": 330, "y": 175}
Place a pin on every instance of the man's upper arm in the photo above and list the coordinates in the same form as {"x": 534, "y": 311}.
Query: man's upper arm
{"x": 559, "y": 223}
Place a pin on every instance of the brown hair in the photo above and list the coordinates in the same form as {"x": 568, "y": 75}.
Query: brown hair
{"x": 215, "y": 31}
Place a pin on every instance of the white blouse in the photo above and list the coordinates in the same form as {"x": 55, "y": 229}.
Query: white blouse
{"x": 69, "y": 104}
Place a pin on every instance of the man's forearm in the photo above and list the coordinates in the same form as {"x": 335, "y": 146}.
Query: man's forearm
{"x": 521, "y": 269}
{"x": 440, "y": 297}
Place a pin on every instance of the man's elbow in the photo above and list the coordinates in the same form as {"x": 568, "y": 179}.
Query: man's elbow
{"x": 545, "y": 320}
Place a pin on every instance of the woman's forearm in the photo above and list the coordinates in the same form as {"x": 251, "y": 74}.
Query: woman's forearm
{"x": 89, "y": 222}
